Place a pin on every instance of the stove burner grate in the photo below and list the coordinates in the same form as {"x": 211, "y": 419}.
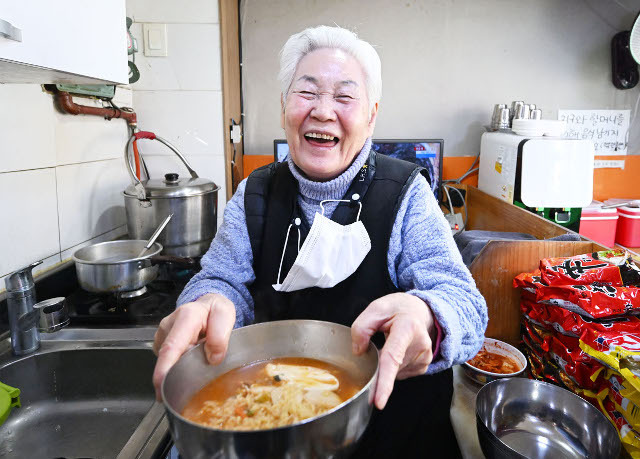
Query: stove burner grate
{"x": 149, "y": 306}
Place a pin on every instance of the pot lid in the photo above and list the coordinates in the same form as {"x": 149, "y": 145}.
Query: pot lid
{"x": 174, "y": 186}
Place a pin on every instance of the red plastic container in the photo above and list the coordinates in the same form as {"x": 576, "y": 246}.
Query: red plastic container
{"x": 628, "y": 232}
{"x": 599, "y": 225}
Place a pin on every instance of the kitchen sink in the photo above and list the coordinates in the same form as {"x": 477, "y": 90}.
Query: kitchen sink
{"x": 84, "y": 393}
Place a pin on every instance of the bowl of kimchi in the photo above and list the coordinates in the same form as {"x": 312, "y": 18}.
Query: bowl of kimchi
{"x": 495, "y": 360}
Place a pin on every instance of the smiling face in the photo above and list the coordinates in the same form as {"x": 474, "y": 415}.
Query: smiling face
{"x": 326, "y": 116}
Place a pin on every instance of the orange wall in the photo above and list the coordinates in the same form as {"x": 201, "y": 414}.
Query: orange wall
{"x": 618, "y": 183}
{"x": 456, "y": 166}
{"x": 607, "y": 183}
{"x": 252, "y": 162}
{"x": 453, "y": 166}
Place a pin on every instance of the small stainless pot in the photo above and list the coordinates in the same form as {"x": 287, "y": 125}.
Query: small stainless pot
{"x": 110, "y": 267}
{"x": 333, "y": 434}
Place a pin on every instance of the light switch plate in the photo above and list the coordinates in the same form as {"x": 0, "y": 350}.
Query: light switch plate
{"x": 155, "y": 39}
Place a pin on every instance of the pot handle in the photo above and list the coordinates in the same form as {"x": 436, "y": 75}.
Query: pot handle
{"x": 186, "y": 262}
{"x": 142, "y": 195}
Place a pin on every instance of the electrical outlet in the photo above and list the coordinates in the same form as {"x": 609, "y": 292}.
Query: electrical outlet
{"x": 455, "y": 222}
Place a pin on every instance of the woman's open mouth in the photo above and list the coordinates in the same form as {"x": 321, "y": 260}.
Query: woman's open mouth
{"x": 321, "y": 140}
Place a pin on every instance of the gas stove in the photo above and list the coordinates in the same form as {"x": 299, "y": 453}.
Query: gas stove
{"x": 144, "y": 307}
{"x": 157, "y": 301}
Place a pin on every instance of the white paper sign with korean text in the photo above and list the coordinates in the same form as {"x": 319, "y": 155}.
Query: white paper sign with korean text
{"x": 608, "y": 129}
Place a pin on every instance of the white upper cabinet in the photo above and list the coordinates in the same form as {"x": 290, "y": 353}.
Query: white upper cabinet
{"x": 64, "y": 41}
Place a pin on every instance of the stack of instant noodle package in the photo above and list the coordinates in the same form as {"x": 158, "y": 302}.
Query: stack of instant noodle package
{"x": 581, "y": 331}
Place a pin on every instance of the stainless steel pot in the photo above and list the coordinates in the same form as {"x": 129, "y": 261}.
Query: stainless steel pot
{"x": 333, "y": 434}
{"x": 193, "y": 202}
{"x": 110, "y": 267}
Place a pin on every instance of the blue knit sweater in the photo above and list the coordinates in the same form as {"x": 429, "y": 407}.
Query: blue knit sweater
{"x": 423, "y": 260}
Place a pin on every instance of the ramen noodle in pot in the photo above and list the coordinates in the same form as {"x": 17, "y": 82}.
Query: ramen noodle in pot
{"x": 269, "y": 394}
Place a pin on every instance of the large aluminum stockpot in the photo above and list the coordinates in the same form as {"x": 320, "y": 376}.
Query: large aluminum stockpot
{"x": 332, "y": 434}
{"x": 193, "y": 201}
{"x": 110, "y": 267}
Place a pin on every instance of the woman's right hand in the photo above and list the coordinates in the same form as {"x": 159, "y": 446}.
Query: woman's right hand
{"x": 211, "y": 317}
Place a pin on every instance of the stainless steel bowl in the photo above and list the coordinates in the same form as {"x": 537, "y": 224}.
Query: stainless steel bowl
{"x": 523, "y": 418}
{"x": 332, "y": 434}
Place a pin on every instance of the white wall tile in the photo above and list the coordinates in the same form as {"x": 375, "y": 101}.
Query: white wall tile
{"x": 123, "y": 96}
{"x": 82, "y": 138}
{"x": 90, "y": 200}
{"x": 28, "y": 230}
{"x": 193, "y": 61}
{"x": 108, "y": 236}
{"x": 26, "y": 128}
{"x": 196, "y": 11}
{"x": 211, "y": 167}
{"x": 191, "y": 120}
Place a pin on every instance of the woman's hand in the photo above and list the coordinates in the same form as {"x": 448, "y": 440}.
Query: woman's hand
{"x": 409, "y": 328}
{"x": 211, "y": 317}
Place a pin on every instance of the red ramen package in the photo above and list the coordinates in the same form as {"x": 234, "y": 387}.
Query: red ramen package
{"x": 564, "y": 353}
{"x": 568, "y": 348}
{"x": 535, "y": 368}
{"x": 611, "y": 267}
{"x": 618, "y": 351}
{"x": 592, "y": 301}
{"x": 580, "y": 368}
{"x": 538, "y": 340}
{"x": 541, "y": 369}
{"x": 570, "y": 384}
{"x": 572, "y": 324}
{"x": 528, "y": 281}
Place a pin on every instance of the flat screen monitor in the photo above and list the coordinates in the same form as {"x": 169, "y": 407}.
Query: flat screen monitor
{"x": 280, "y": 150}
{"x": 427, "y": 153}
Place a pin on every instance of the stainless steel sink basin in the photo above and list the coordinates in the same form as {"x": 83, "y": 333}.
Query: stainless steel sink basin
{"x": 83, "y": 395}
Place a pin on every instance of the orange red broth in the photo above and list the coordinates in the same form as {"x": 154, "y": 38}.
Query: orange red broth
{"x": 229, "y": 384}
{"x": 494, "y": 363}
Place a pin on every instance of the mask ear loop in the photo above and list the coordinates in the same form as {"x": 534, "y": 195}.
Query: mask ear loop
{"x": 286, "y": 240}
{"x": 354, "y": 198}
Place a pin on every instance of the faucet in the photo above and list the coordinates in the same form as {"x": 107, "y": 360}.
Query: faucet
{"x": 28, "y": 318}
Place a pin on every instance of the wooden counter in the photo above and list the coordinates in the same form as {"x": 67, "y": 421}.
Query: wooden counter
{"x": 500, "y": 261}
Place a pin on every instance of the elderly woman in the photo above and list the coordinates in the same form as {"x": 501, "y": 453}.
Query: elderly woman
{"x": 339, "y": 233}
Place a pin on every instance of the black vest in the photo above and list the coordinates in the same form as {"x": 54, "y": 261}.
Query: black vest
{"x": 415, "y": 422}
{"x": 271, "y": 206}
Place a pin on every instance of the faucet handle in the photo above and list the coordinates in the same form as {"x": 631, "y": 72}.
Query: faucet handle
{"x": 22, "y": 279}
{"x": 52, "y": 314}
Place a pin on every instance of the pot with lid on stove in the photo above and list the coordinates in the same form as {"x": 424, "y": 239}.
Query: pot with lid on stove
{"x": 192, "y": 200}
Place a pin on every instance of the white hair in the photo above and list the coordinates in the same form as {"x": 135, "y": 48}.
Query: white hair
{"x": 300, "y": 44}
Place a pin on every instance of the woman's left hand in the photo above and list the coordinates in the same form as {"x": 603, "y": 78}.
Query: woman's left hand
{"x": 409, "y": 328}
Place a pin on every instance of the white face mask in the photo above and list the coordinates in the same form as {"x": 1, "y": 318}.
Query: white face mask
{"x": 330, "y": 253}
